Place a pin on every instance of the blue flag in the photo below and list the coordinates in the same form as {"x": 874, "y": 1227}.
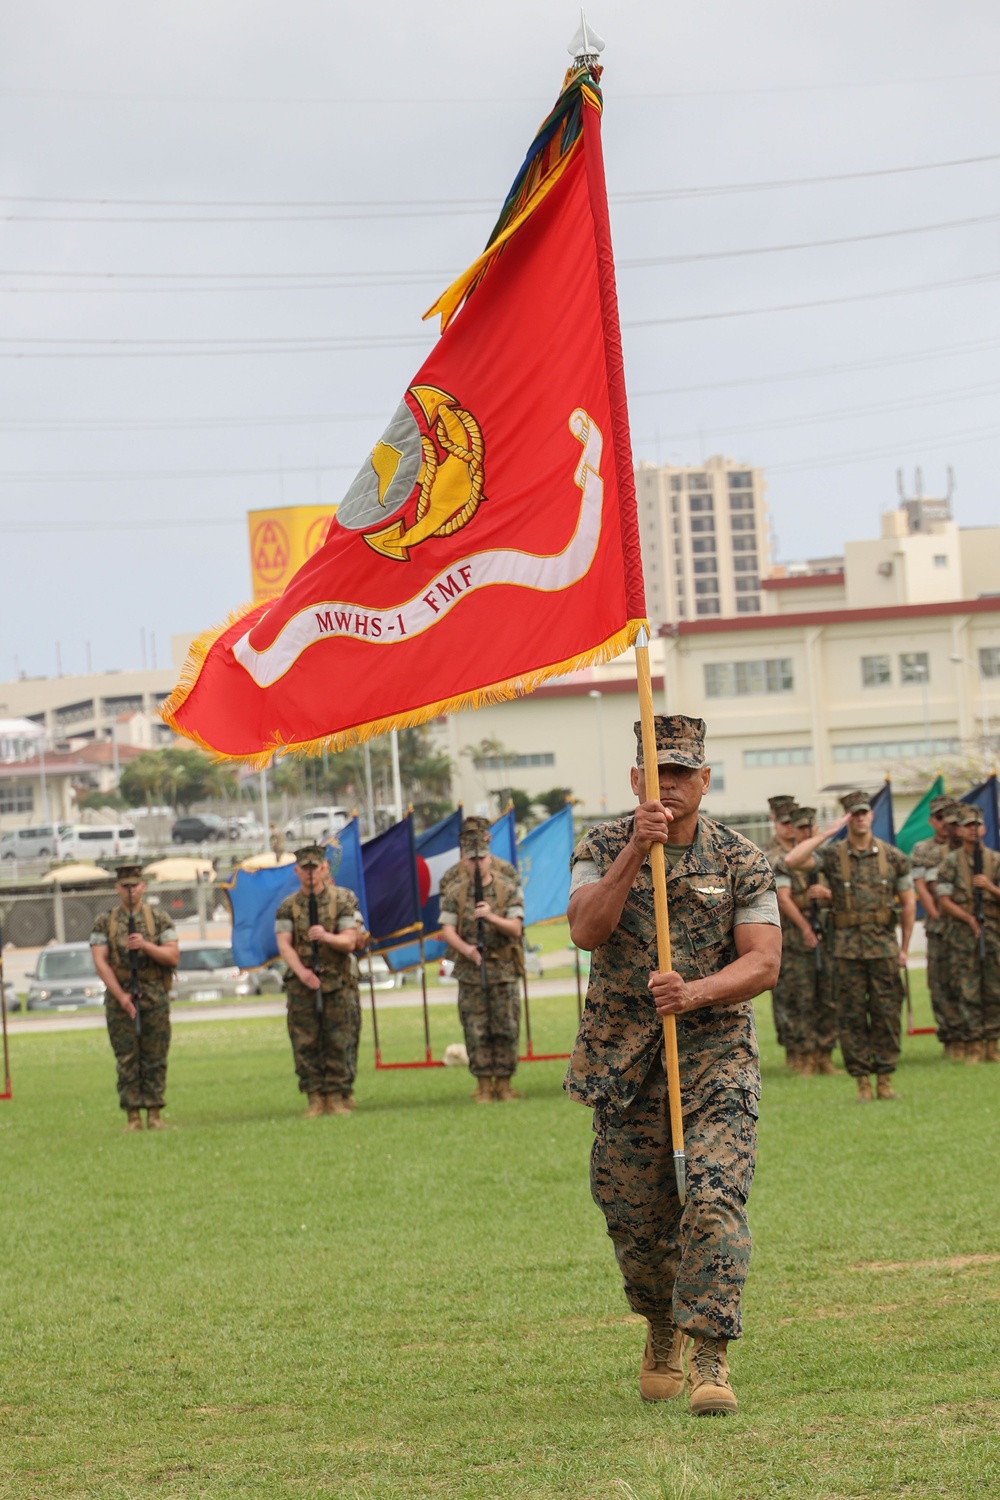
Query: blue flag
{"x": 503, "y": 838}
{"x": 883, "y": 826}
{"x": 390, "y": 870}
{"x": 543, "y": 857}
{"x": 437, "y": 851}
{"x": 254, "y": 897}
{"x": 984, "y": 796}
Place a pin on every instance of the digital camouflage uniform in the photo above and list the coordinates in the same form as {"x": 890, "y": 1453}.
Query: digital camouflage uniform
{"x": 490, "y": 1013}
{"x": 773, "y": 854}
{"x": 946, "y": 1003}
{"x": 804, "y": 990}
{"x": 687, "y": 1263}
{"x": 976, "y": 983}
{"x": 325, "y": 1047}
{"x": 142, "y": 1059}
{"x": 865, "y": 951}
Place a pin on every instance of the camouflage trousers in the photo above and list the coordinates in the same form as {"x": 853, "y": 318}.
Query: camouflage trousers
{"x": 141, "y": 1060}
{"x": 946, "y": 1002}
{"x": 491, "y": 1021}
{"x": 870, "y": 999}
{"x": 805, "y": 1001}
{"x": 690, "y": 1262}
{"x": 976, "y": 984}
{"x": 325, "y": 1048}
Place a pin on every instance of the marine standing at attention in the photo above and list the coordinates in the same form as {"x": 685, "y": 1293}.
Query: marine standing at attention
{"x": 135, "y": 952}
{"x": 783, "y": 836}
{"x": 925, "y": 858}
{"x": 683, "y": 1268}
{"x": 968, "y": 885}
{"x": 324, "y": 1011}
{"x": 486, "y": 937}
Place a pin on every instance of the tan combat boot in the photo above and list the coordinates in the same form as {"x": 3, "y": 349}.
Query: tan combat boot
{"x": 791, "y": 1061}
{"x": 708, "y": 1377}
{"x": 974, "y": 1052}
{"x": 133, "y": 1120}
{"x": 483, "y": 1093}
{"x": 865, "y": 1090}
{"x": 502, "y": 1091}
{"x": 826, "y": 1067}
{"x": 153, "y": 1121}
{"x": 991, "y": 1053}
{"x": 661, "y": 1370}
{"x": 884, "y": 1087}
{"x": 316, "y": 1107}
{"x": 957, "y": 1053}
{"x": 336, "y": 1104}
{"x": 807, "y": 1064}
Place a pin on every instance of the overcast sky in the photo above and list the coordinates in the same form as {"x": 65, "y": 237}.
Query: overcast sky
{"x": 222, "y": 221}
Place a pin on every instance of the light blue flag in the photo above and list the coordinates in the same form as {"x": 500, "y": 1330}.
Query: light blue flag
{"x": 503, "y": 838}
{"x": 543, "y": 857}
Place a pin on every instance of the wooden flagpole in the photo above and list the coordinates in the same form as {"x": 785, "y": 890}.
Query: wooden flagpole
{"x": 659, "y": 872}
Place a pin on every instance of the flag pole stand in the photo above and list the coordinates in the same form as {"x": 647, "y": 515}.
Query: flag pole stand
{"x": 657, "y": 865}
{"x": 530, "y": 1054}
{"x": 423, "y": 991}
{"x": 371, "y": 992}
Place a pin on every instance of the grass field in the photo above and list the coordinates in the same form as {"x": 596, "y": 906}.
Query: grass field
{"x": 420, "y": 1300}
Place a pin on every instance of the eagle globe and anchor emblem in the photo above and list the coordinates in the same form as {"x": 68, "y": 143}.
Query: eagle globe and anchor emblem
{"x": 442, "y": 465}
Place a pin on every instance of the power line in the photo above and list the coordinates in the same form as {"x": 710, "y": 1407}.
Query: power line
{"x": 126, "y": 523}
{"x": 918, "y": 445}
{"x": 115, "y": 476}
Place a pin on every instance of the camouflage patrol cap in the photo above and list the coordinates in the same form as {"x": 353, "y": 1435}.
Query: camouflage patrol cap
{"x": 680, "y": 741}
{"x": 310, "y": 855}
{"x": 780, "y": 806}
{"x": 968, "y": 813}
{"x": 802, "y": 817}
{"x": 127, "y": 872}
{"x": 853, "y": 802}
{"x": 474, "y": 839}
{"x": 938, "y": 806}
{"x": 950, "y": 814}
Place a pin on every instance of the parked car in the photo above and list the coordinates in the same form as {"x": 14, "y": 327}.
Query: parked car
{"x": 41, "y": 841}
{"x": 382, "y": 976}
{"x": 205, "y": 828}
{"x": 316, "y": 824}
{"x": 94, "y": 841}
{"x": 246, "y": 831}
{"x": 65, "y": 978}
{"x": 10, "y": 996}
{"x": 208, "y": 971}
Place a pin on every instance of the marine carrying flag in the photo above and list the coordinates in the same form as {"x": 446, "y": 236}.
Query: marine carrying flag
{"x": 984, "y": 796}
{"x": 500, "y": 491}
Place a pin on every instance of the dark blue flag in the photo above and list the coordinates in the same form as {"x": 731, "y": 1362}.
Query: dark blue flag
{"x": 984, "y": 796}
{"x": 503, "y": 838}
{"x": 543, "y": 857}
{"x": 437, "y": 851}
{"x": 390, "y": 869}
{"x": 255, "y": 895}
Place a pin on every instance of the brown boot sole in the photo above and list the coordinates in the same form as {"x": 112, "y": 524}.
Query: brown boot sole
{"x": 718, "y": 1406}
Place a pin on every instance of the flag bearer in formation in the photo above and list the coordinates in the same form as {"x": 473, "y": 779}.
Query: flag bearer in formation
{"x": 135, "y": 952}
{"x": 485, "y": 935}
{"x": 324, "y": 1012}
{"x": 805, "y": 986}
{"x": 866, "y": 876}
{"x": 783, "y": 838}
{"x": 683, "y": 1268}
{"x": 925, "y": 858}
{"x": 968, "y": 887}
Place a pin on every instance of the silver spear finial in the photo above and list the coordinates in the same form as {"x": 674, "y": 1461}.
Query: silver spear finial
{"x": 586, "y": 45}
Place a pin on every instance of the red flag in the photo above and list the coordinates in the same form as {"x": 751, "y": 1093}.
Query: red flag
{"x": 490, "y": 541}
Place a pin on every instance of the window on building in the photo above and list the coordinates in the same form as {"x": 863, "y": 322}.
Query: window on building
{"x": 742, "y": 523}
{"x": 706, "y": 585}
{"x": 746, "y": 564}
{"x": 744, "y": 544}
{"x": 702, "y": 523}
{"x": 130, "y": 703}
{"x": 698, "y": 482}
{"x": 875, "y": 671}
{"x": 516, "y": 762}
{"x": 703, "y": 544}
{"x": 747, "y": 585}
{"x": 73, "y": 713}
{"x": 741, "y": 481}
{"x": 15, "y": 798}
{"x": 794, "y": 755}
{"x": 940, "y": 559}
{"x": 675, "y": 506}
{"x": 738, "y": 679}
{"x": 748, "y": 604}
{"x": 895, "y": 750}
{"x": 741, "y": 502}
{"x": 705, "y": 565}
{"x": 706, "y": 607}
{"x": 914, "y": 666}
{"x": 700, "y": 503}
{"x": 989, "y": 661}
{"x": 676, "y": 482}
{"x": 718, "y": 781}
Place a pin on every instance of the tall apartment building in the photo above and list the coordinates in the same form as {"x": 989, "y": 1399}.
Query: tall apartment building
{"x": 703, "y": 533}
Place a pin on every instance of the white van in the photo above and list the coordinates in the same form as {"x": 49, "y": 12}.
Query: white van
{"x": 316, "y": 824}
{"x": 41, "y": 841}
{"x": 92, "y": 842}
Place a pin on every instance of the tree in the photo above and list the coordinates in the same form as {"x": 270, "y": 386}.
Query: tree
{"x": 177, "y": 776}
{"x": 555, "y": 799}
{"x": 513, "y": 795}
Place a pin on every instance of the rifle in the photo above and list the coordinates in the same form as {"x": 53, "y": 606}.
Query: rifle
{"x": 133, "y": 965}
{"x": 313, "y": 919}
{"x": 817, "y": 927}
{"x": 977, "y": 899}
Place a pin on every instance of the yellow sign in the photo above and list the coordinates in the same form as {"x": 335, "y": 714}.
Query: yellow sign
{"x": 281, "y": 541}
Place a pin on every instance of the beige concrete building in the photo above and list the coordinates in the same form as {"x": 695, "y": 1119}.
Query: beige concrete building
{"x": 704, "y": 539}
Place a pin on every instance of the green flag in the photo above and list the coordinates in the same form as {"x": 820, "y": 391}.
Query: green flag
{"x": 917, "y": 825}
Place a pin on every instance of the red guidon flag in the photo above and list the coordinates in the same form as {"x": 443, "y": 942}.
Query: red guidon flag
{"x": 490, "y": 539}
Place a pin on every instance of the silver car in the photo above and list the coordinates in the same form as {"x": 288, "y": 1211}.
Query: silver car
{"x": 208, "y": 971}
{"x": 65, "y": 978}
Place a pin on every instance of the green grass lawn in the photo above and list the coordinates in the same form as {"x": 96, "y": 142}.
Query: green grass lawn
{"x": 420, "y": 1300}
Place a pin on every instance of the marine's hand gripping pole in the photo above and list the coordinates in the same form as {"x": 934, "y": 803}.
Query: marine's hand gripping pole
{"x": 658, "y": 868}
